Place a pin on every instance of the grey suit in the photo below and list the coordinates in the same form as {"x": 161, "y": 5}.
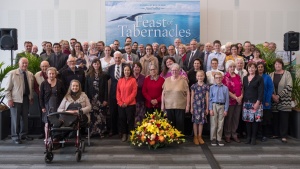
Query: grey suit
{"x": 133, "y": 56}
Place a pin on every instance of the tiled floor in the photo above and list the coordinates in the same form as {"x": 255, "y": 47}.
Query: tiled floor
{"x": 112, "y": 153}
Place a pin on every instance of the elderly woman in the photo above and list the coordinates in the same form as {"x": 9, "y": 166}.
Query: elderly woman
{"x": 96, "y": 88}
{"x": 51, "y": 94}
{"x": 167, "y": 68}
{"x": 176, "y": 98}
{"x": 152, "y": 90}
{"x": 281, "y": 97}
{"x": 147, "y": 60}
{"x": 234, "y": 83}
{"x": 268, "y": 91}
{"x": 126, "y": 100}
{"x": 140, "y": 100}
{"x": 182, "y": 52}
{"x": 253, "y": 86}
{"x": 239, "y": 69}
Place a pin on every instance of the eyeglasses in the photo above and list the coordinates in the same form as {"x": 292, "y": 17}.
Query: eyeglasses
{"x": 218, "y": 77}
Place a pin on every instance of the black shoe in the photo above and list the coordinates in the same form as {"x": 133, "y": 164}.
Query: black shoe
{"x": 27, "y": 138}
{"x": 42, "y": 136}
{"x": 264, "y": 139}
{"x": 17, "y": 141}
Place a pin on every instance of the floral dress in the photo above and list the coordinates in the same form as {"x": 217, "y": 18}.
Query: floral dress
{"x": 98, "y": 116}
{"x": 199, "y": 104}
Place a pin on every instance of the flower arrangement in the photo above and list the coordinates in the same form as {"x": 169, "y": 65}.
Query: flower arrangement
{"x": 155, "y": 131}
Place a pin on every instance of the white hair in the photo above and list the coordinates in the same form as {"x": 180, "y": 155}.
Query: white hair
{"x": 229, "y": 63}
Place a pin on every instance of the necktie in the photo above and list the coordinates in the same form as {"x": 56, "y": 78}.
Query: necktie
{"x": 26, "y": 92}
{"x": 129, "y": 58}
{"x": 191, "y": 56}
{"x": 205, "y": 60}
{"x": 118, "y": 73}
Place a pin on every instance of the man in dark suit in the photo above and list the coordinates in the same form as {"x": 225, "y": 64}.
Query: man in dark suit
{"x": 114, "y": 73}
{"x": 130, "y": 57}
{"x": 58, "y": 59}
{"x": 192, "y": 55}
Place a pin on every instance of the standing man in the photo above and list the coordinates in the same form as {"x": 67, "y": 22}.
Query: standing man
{"x": 192, "y": 55}
{"x": 172, "y": 53}
{"x": 114, "y": 73}
{"x": 34, "y": 51}
{"x": 141, "y": 51}
{"x": 58, "y": 59}
{"x": 207, "y": 51}
{"x": 177, "y": 42}
{"x": 72, "y": 43}
{"x": 19, "y": 93}
{"x": 217, "y": 54}
{"x": 85, "y": 48}
{"x": 26, "y": 53}
{"x": 100, "y": 46}
{"x": 130, "y": 57}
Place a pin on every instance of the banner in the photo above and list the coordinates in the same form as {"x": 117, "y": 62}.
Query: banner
{"x": 152, "y": 21}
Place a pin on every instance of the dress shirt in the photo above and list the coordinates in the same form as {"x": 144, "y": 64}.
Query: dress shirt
{"x": 221, "y": 58}
{"x": 218, "y": 94}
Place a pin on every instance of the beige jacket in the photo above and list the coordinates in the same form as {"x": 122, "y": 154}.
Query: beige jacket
{"x": 83, "y": 100}
{"x": 15, "y": 86}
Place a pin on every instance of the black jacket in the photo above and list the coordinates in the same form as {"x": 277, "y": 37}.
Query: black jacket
{"x": 103, "y": 87}
{"x": 45, "y": 92}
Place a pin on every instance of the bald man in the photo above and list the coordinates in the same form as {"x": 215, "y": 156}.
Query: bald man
{"x": 19, "y": 93}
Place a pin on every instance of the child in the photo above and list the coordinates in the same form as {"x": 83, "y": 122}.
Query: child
{"x": 218, "y": 106}
{"x": 199, "y": 106}
{"x": 80, "y": 61}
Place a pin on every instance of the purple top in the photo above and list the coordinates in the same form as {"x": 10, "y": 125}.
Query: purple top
{"x": 234, "y": 85}
{"x": 140, "y": 81}
{"x": 169, "y": 74}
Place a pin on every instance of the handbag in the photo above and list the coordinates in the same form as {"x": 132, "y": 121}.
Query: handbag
{"x": 251, "y": 115}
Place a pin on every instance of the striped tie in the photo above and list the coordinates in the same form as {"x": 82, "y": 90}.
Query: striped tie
{"x": 118, "y": 73}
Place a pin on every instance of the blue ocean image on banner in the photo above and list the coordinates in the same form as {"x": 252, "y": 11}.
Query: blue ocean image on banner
{"x": 155, "y": 21}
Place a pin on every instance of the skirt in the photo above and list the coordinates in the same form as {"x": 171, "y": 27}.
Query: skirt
{"x": 251, "y": 115}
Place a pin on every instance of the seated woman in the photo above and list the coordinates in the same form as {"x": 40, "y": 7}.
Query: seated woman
{"x": 74, "y": 100}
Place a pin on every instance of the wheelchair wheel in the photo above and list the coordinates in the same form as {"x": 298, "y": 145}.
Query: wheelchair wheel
{"x": 48, "y": 157}
{"x": 78, "y": 155}
{"x": 82, "y": 146}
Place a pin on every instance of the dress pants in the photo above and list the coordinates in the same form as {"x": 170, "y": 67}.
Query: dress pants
{"x": 231, "y": 122}
{"x": 217, "y": 122}
{"x": 176, "y": 116}
{"x": 113, "y": 109}
{"x": 280, "y": 123}
{"x": 19, "y": 119}
{"x": 126, "y": 119}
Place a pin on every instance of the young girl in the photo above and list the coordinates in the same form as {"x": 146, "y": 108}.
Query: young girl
{"x": 199, "y": 106}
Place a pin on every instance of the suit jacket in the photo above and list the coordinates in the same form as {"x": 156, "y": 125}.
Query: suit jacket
{"x": 133, "y": 56}
{"x": 132, "y": 51}
{"x": 60, "y": 62}
{"x": 14, "y": 88}
{"x": 188, "y": 62}
{"x": 140, "y": 55}
{"x": 101, "y": 54}
{"x": 114, "y": 81}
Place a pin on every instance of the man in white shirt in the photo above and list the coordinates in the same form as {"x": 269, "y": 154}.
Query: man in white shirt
{"x": 217, "y": 54}
{"x": 207, "y": 51}
{"x": 177, "y": 42}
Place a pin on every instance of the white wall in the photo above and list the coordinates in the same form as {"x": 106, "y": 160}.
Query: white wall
{"x": 226, "y": 20}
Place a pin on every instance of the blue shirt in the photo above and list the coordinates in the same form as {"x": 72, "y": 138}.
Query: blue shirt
{"x": 221, "y": 59}
{"x": 218, "y": 94}
{"x": 268, "y": 91}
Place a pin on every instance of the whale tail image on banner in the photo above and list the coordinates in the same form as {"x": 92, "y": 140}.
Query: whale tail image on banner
{"x": 155, "y": 21}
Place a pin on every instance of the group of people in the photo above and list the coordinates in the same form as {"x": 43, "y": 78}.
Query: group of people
{"x": 223, "y": 85}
